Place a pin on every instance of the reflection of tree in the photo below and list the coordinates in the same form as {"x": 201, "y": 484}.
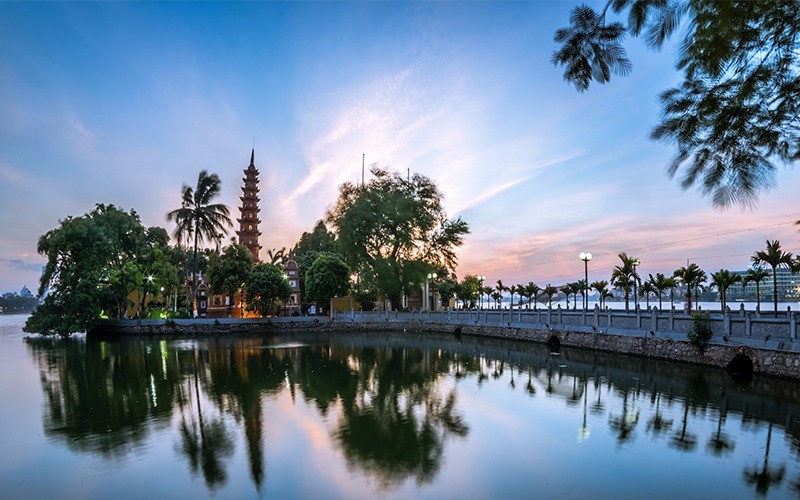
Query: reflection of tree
{"x": 205, "y": 444}
{"x": 625, "y": 424}
{"x": 658, "y": 423}
{"x": 767, "y": 476}
{"x": 99, "y": 395}
{"x": 684, "y": 440}
{"x": 395, "y": 424}
{"x": 720, "y": 443}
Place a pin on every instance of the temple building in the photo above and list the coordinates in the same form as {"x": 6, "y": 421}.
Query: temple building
{"x": 248, "y": 232}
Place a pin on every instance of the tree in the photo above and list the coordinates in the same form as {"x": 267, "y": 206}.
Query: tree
{"x": 532, "y": 291}
{"x": 755, "y": 275}
{"x": 365, "y": 296}
{"x": 775, "y": 258}
{"x": 266, "y": 286}
{"x": 228, "y": 273}
{"x": 550, "y": 291}
{"x": 734, "y": 116}
{"x": 200, "y": 219}
{"x": 328, "y": 277}
{"x": 318, "y": 240}
{"x": 624, "y": 276}
{"x": 497, "y": 297}
{"x": 394, "y": 231}
{"x": 500, "y": 289}
{"x": 602, "y": 288}
{"x": 277, "y": 257}
{"x": 91, "y": 269}
{"x": 689, "y": 276}
{"x": 660, "y": 283}
{"x": 567, "y": 291}
{"x": 723, "y": 279}
{"x": 467, "y": 291}
{"x": 447, "y": 290}
{"x": 647, "y": 288}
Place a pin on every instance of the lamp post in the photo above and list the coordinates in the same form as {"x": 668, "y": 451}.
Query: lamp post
{"x": 431, "y": 276}
{"x": 635, "y": 263}
{"x": 585, "y": 257}
{"x": 481, "y": 278}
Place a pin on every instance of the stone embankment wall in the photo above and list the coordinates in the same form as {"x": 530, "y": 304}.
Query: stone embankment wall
{"x": 774, "y": 353}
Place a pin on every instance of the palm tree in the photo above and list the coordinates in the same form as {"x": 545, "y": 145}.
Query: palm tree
{"x": 550, "y": 291}
{"x": 647, "y": 288}
{"x": 501, "y": 288}
{"x": 602, "y": 289}
{"x": 497, "y": 296}
{"x": 567, "y": 291}
{"x": 688, "y": 276}
{"x": 624, "y": 276}
{"x": 723, "y": 279}
{"x": 277, "y": 256}
{"x": 532, "y": 289}
{"x": 755, "y": 275}
{"x": 577, "y": 287}
{"x": 661, "y": 283}
{"x": 199, "y": 218}
{"x": 776, "y": 258}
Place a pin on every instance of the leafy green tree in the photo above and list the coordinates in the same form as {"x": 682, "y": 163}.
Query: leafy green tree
{"x": 774, "y": 257}
{"x": 328, "y": 277}
{"x": 394, "y": 231}
{"x": 497, "y": 297}
{"x": 265, "y": 288}
{"x": 567, "y": 291}
{"x": 199, "y": 219}
{"x": 365, "y": 296}
{"x": 318, "y": 240}
{"x": 468, "y": 291}
{"x": 90, "y": 270}
{"x": 755, "y": 275}
{"x": 723, "y": 279}
{"x": 447, "y": 290}
{"x": 228, "y": 272}
{"x": 734, "y": 116}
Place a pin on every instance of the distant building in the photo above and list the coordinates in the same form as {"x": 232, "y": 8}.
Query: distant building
{"x": 788, "y": 285}
{"x": 25, "y": 293}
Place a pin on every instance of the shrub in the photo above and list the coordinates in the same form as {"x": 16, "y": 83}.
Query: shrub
{"x": 700, "y": 332}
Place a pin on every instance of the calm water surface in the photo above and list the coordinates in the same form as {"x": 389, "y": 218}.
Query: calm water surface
{"x": 378, "y": 415}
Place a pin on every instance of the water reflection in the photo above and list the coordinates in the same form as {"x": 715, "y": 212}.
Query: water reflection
{"x": 392, "y": 405}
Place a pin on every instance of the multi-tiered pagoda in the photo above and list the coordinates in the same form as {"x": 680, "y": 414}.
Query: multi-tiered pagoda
{"x": 248, "y": 222}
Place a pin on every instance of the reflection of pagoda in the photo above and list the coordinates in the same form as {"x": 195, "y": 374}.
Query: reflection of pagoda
{"x": 248, "y": 222}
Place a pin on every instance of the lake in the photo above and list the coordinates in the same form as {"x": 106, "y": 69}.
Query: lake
{"x": 365, "y": 415}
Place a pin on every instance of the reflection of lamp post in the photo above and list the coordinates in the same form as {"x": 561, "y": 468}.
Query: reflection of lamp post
{"x": 585, "y": 257}
{"x": 431, "y": 276}
{"x": 481, "y": 278}
{"x": 635, "y": 263}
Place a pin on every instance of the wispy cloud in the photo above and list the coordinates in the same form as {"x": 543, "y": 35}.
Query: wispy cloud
{"x": 20, "y": 265}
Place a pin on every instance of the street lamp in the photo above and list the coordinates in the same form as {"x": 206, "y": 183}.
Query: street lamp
{"x": 480, "y": 292}
{"x": 585, "y": 257}
{"x": 431, "y": 276}
{"x": 635, "y": 263}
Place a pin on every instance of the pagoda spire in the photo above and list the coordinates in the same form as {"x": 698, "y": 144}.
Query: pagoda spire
{"x": 248, "y": 221}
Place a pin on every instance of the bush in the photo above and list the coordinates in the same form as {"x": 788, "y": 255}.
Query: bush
{"x": 700, "y": 333}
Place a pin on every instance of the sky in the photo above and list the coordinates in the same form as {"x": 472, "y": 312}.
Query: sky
{"x": 124, "y": 103}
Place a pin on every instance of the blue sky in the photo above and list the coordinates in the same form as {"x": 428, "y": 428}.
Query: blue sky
{"x": 124, "y": 102}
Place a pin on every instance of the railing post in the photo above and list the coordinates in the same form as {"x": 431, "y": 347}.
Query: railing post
{"x": 748, "y": 325}
{"x": 654, "y": 319}
{"x": 672, "y": 318}
{"x": 793, "y": 325}
{"x": 596, "y": 316}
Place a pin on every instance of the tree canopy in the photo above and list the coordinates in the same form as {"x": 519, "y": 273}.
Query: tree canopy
{"x": 93, "y": 263}
{"x": 393, "y": 231}
{"x": 266, "y": 286}
{"x": 328, "y": 277}
{"x": 736, "y": 115}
